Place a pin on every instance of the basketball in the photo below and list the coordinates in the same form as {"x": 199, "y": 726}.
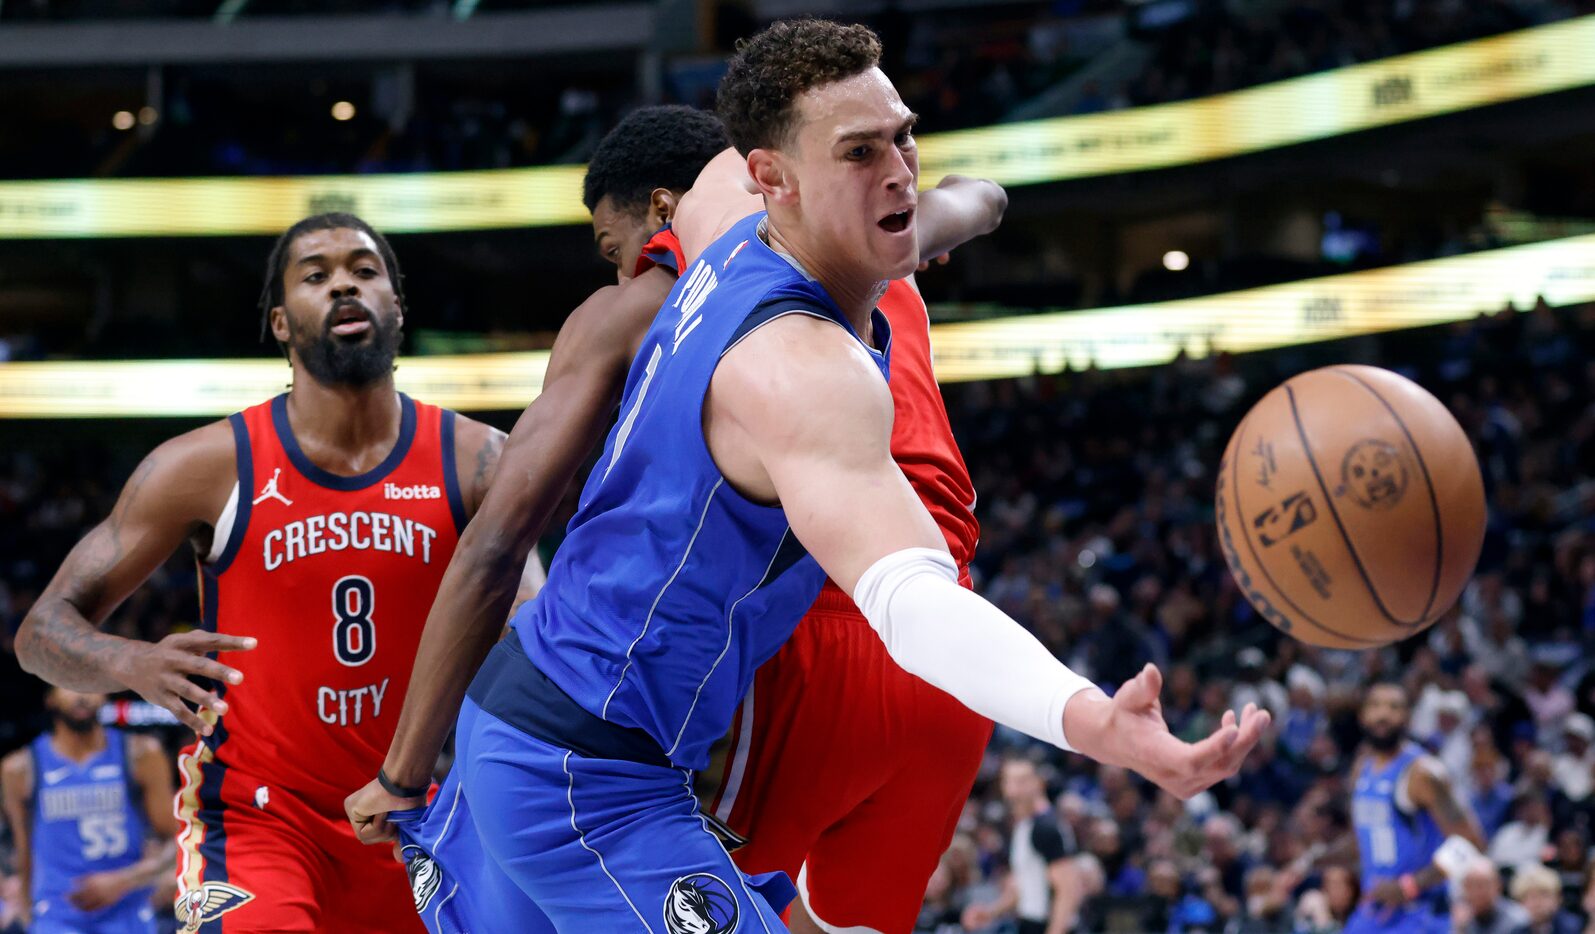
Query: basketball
{"x": 1350, "y": 507}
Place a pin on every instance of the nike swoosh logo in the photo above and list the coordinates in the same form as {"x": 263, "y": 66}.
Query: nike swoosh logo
{"x": 55, "y": 775}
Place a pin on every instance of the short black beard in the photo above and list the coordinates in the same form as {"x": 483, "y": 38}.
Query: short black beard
{"x": 1386, "y": 744}
{"x": 335, "y": 362}
{"x": 81, "y": 727}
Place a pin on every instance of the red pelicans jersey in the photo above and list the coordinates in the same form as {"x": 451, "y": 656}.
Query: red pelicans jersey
{"x": 335, "y": 576}
{"x": 662, "y": 249}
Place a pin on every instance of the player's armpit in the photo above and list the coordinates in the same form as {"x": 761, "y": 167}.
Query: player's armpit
{"x": 179, "y": 488}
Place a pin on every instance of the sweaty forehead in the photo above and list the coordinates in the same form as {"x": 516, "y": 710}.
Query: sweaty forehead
{"x": 339, "y": 241}
{"x": 865, "y": 102}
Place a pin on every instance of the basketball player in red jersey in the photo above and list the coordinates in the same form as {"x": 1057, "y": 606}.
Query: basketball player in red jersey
{"x": 862, "y": 778}
{"x": 323, "y": 520}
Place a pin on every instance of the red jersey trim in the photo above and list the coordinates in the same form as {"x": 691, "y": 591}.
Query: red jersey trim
{"x": 662, "y": 249}
{"x": 451, "y": 469}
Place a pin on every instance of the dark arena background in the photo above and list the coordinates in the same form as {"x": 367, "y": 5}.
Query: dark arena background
{"x": 1206, "y": 197}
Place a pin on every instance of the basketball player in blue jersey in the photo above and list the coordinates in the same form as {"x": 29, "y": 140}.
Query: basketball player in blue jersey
{"x": 1412, "y": 833}
{"x": 85, "y": 805}
{"x": 751, "y": 459}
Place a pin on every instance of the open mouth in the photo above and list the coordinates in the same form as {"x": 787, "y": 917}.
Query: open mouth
{"x": 350, "y": 319}
{"x": 897, "y": 223}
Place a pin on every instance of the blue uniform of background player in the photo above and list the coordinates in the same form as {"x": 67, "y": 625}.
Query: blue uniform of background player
{"x": 83, "y": 801}
{"x": 1403, "y": 812}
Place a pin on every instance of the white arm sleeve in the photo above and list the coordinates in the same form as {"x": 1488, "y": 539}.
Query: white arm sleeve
{"x": 962, "y": 644}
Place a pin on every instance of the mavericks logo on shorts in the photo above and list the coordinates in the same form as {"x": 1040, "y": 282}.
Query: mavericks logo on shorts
{"x": 425, "y": 877}
{"x": 207, "y": 903}
{"x": 700, "y": 904}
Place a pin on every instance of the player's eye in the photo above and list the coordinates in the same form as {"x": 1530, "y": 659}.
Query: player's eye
{"x": 367, "y": 272}
{"x": 904, "y": 138}
{"x": 315, "y": 277}
{"x": 858, "y": 153}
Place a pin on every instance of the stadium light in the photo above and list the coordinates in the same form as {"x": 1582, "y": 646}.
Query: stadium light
{"x": 342, "y": 110}
{"x": 1176, "y": 261}
{"x": 122, "y": 120}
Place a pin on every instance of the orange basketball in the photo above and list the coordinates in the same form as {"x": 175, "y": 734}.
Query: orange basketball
{"x": 1350, "y": 507}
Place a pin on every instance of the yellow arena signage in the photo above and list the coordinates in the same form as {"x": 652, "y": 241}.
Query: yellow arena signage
{"x": 1389, "y": 91}
{"x": 1417, "y": 294}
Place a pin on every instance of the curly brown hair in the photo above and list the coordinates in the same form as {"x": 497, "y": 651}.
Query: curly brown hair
{"x": 757, "y": 98}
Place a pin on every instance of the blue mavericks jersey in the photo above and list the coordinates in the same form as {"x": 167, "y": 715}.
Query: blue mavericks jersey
{"x": 670, "y": 588}
{"x": 1392, "y": 841}
{"x": 86, "y": 819}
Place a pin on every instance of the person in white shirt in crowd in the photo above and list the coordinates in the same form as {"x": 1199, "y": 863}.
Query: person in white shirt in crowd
{"x": 1253, "y": 686}
{"x": 1573, "y": 770}
{"x": 1452, "y": 739}
{"x": 1524, "y": 838}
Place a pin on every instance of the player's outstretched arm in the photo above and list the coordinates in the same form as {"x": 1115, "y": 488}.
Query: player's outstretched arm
{"x": 153, "y": 774}
{"x": 586, "y": 373}
{"x": 957, "y": 210}
{"x": 797, "y": 414}
{"x": 178, "y": 489}
{"x": 16, "y": 789}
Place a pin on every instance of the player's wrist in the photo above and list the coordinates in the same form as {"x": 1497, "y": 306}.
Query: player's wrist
{"x": 403, "y": 785}
{"x": 1409, "y": 886}
{"x": 1086, "y": 720}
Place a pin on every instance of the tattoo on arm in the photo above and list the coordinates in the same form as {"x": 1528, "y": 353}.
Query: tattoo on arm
{"x": 67, "y": 646}
{"x": 487, "y": 464}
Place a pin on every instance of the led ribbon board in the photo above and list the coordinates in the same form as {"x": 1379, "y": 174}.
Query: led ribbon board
{"x": 1393, "y": 90}
{"x": 1417, "y": 294}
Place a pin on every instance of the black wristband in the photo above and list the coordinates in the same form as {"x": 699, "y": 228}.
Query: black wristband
{"x": 399, "y": 791}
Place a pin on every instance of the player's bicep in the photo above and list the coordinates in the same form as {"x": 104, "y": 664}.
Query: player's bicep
{"x": 819, "y": 418}
{"x": 155, "y": 514}
{"x": 16, "y": 786}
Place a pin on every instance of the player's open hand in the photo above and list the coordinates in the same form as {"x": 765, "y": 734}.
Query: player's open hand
{"x": 367, "y": 810}
{"x": 1129, "y": 731}
{"x": 160, "y": 672}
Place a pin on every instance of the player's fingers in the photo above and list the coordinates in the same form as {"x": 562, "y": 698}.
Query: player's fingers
{"x": 202, "y": 641}
{"x": 168, "y": 700}
{"x": 208, "y": 668}
{"x": 197, "y": 695}
{"x": 1152, "y": 678}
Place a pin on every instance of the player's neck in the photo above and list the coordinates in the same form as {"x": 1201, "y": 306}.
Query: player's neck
{"x": 77, "y": 746}
{"x": 344, "y": 429}
{"x": 855, "y": 295}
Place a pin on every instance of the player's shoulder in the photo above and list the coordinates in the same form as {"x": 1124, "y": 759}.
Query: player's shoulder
{"x": 17, "y": 765}
{"x": 196, "y": 469}
{"x": 803, "y": 368}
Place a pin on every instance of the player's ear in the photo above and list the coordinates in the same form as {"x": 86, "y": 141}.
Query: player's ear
{"x": 662, "y": 207}
{"x": 769, "y": 174}
{"x": 279, "y": 324}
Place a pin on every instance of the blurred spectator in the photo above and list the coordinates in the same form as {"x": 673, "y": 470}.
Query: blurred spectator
{"x": 1482, "y": 909}
{"x": 1539, "y": 891}
{"x": 1574, "y": 769}
{"x": 1525, "y": 838}
{"x": 1043, "y": 890}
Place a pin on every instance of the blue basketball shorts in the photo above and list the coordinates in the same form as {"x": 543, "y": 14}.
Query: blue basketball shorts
{"x": 530, "y": 836}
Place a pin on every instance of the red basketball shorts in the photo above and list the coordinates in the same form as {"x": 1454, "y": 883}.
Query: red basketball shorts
{"x": 253, "y": 858}
{"x": 848, "y": 773}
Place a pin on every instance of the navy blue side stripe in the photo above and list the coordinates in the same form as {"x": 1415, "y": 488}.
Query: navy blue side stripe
{"x": 246, "y": 494}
